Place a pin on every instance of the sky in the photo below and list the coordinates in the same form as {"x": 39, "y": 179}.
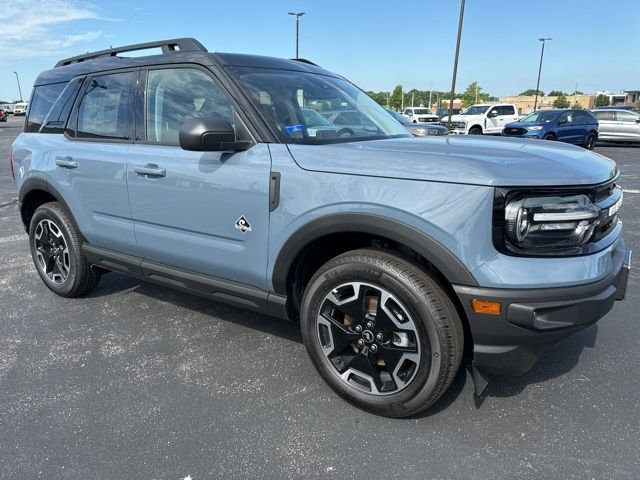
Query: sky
{"x": 375, "y": 44}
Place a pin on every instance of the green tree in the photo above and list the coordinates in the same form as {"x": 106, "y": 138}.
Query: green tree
{"x": 577, "y": 106}
{"x": 602, "y": 100}
{"x": 577, "y": 92}
{"x": 556, "y": 93}
{"x": 395, "y": 100}
{"x": 531, "y": 92}
{"x": 473, "y": 94}
{"x": 379, "y": 97}
{"x": 561, "y": 102}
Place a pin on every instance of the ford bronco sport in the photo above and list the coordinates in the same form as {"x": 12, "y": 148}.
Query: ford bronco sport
{"x": 197, "y": 171}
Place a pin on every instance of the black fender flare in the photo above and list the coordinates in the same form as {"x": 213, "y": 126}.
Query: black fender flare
{"x": 450, "y": 266}
{"x": 32, "y": 184}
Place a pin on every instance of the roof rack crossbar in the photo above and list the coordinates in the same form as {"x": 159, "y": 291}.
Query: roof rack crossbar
{"x": 167, "y": 46}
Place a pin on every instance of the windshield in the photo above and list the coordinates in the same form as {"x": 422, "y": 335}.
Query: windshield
{"x": 289, "y": 102}
{"x": 540, "y": 117}
{"x": 475, "y": 110}
{"x": 422, "y": 111}
{"x": 400, "y": 118}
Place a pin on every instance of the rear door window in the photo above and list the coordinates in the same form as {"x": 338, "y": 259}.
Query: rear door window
{"x": 626, "y": 117}
{"x": 43, "y": 98}
{"x": 106, "y": 108}
{"x": 508, "y": 110}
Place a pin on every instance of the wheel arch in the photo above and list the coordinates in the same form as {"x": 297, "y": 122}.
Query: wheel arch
{"x": 321, "y": 239}
{"x": 34, "y": 192}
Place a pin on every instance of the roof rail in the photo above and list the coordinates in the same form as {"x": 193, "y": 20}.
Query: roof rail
{"x": 167, "y": 46}
{"x": 304, "y": 60}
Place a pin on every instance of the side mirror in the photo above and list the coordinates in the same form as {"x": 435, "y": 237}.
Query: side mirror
{"x": 209, "y": 134}
{"x": 562, "y": 120}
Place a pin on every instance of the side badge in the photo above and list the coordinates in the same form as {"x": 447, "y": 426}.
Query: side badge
{"x": 243, "y": 225}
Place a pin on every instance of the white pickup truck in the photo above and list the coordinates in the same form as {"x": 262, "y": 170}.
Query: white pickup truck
{"x": 482, "y": 119}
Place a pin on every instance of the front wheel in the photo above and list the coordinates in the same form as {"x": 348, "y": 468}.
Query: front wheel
{"x": 475, "y": 131}
{"x": 381, "y": 332}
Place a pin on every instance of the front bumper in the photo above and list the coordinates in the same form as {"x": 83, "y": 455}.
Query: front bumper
{"x": 531, "y": 320}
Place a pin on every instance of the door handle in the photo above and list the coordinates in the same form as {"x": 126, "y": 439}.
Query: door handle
{"x": 66, "y": 162}
{"x": 150, "y": 170}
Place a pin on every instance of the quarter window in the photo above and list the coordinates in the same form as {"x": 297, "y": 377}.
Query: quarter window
{"x": 105, "y": 111}
{"x": 43, "y": 98}
{"x": 176, "y": 95}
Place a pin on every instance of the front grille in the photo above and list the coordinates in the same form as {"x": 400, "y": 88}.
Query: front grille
{"x": 428, "y": 120}
{"x": 514, "y": 131}
{"x": 458, "y": 125}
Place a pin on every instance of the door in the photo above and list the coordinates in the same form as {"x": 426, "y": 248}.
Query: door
{"x": 207, "y": 212}
{"x": 607, "y": 127}
{"x": 90, "y": 160}
{"x": 494, "y": 120}
{"x": 567, "y": 130}
{"x": 628, "y": 125}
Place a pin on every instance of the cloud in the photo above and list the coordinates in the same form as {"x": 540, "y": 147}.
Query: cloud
{"x": 44, "y": 28}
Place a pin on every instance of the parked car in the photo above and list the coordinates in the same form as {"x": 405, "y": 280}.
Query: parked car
{"x": 20, "y": 109}
{"x": 444, "y": 112}
{"x": 7, "y": 107}
{"x": 420, "y": 115}
{"x": 195, "y": 171}
{"x": 483, "y": 119}
{"x": 351, "y": 122}
{"x": 618, "y": 107}
{"x": 618, "y": 125}
{"x": 3, "y": 115}
{"x": 579, "y": 127}
{"x": 418, "y": 129}
{"x": 319, "y": 126}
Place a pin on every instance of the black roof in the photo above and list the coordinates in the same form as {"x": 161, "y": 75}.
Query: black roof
{"x": 192, "y": 52}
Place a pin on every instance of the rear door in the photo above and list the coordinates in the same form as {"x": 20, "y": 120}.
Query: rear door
{"x": 206, "y": 212}
{"x": 567, "y": 130}
{"x": 607, "y": 127}
{"x": 89, "y": 161}
{"x": 628, "y": 126}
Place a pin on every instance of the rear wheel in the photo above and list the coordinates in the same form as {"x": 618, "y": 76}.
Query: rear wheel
{"x": 590, "y": 141}
{"x": 475, "y": 131}
{"x": 56, "y": 248}
{"x": 381, "y": 332}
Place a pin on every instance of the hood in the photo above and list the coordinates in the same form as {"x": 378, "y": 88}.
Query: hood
{"x": 460, "y": 159}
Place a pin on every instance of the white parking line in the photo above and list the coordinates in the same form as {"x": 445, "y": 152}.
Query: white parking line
{"x": 630, "y": 191}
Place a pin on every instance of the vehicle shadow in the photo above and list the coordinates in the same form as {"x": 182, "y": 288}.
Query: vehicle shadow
{"x": 115, "y": 283}
{"x": 554, "y": 362}
{"x": 617, "y": 144}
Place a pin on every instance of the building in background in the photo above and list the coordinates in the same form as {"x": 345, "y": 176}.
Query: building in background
{"x": 525, "y": 103}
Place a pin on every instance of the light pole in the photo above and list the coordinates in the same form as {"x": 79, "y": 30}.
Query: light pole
{"x": 535, "y": 103}
{"x": 18, "y": 80}
{"x": 297, "y": 15}
{"x": 455, "y": 64}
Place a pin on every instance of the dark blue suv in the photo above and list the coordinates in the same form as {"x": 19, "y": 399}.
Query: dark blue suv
{"x": 579, "y": 127}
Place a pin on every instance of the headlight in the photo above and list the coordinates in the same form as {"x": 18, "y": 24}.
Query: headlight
{"x": 554, "y": 224}
{"x": 420, "y": 132}
{"x": 535, "y": 128}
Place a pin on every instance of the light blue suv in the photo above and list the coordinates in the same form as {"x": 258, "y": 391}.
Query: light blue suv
{"x": 197, "y": 171}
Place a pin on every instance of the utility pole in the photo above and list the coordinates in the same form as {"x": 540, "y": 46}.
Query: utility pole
{"x": 297, "y": 15}
{"x": 476, "y": 92}
{"x": 455, "y": 63}
{"x": 402, "y": 100}
{"x": 387, "y": 99}
{"x": 430, "y": 92}
{"x": 18, "y": 80}
{"x": 535, "y": 103}
{"x": 412, "y": 97}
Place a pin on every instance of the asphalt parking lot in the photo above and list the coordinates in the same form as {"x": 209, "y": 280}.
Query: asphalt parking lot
{"x": 139, "y": 381}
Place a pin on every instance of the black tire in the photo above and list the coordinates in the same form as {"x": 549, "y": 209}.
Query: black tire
{"x": 590, "y": 141}
{"x": 80, "y": 278}
{"x": 438, "y": 330}
{"x": 475, "y": 131}
{"x": 549, "y": 136}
